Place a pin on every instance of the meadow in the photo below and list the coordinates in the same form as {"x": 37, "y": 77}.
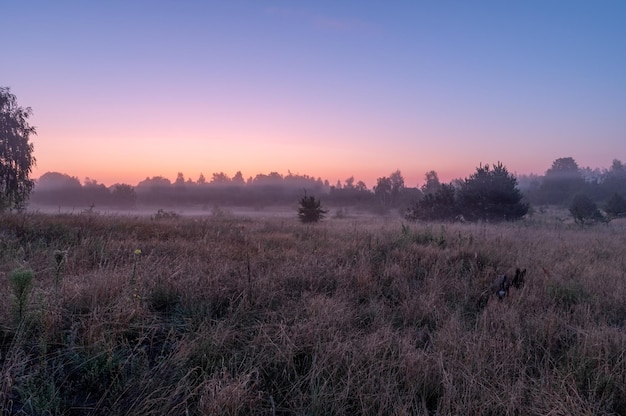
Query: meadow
{"x": 230, "y": 315}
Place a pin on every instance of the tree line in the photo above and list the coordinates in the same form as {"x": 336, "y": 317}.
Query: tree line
{"x": 491, "y": 193}
{"x": 54, "y": 188}
{"x": 494, "y": 194}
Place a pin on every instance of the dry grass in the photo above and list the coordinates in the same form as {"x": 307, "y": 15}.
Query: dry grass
{"x": 233, "y": 316}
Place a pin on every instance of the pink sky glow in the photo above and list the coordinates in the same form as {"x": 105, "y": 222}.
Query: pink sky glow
{"x": 122, "y": 91}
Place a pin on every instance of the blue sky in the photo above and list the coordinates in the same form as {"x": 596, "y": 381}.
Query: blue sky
{"x": 122, "y": 90}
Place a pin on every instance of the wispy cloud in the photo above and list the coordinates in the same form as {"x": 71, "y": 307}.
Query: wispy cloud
{"x": 323, "y": 22}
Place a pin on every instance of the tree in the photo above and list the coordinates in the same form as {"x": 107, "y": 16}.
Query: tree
{"x": 564, "y": 167}
{"x": 561, "y": 181}
{"x": 584, "y": 210}
{"x": 491, "y": 194}
{"x": 56, "y": 181}
{"x": 397, "y": 186}
{"x": 615, "y": 178}
{"x": 180, "y": 179}
{"x": 310, "y": 209}
{"x": 238, "y": 179}
{"x": 220, "y": 178}
{"x": 383, "y": 191}
{"x": 16, "y": 152}
{"x": 93, "y": 192}
{"x": 124, "y": 195}
{"x": 431, "y": 184}
{"x": 438, "y": 206}
{"x": 56, "y": 188}
{"x": 155, "y": 184}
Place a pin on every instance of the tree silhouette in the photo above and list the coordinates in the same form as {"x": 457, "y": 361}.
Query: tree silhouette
{"x": 561, "y": 181}
{"x": 432, "y": 183}
{"x": 439, "y": 205}
{"x": 584, "y": 210}
{"x": 397, "y": 186}
{"x": 310, "y": 209}
{"x": 57, "y": 181}
{"x": 16, "y": 152}
{"x": 238, "y": 179}
{"x": 615, "y": 178}
{"x": 491, "y": 194}
{"x": 124, "y": 195}
{"x": 180, "y": 179}
{"x": 220, "y": 178}
{"x": 615, "y": 207}
{"x": 383, "y": 191}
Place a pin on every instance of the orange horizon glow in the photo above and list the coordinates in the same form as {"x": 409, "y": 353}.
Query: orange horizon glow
{"x": 113, "y": 155}
{"x": 131, "y": 90}
{"x": 135, "y": 173}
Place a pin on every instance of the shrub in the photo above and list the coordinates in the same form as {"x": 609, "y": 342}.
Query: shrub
{"x": 615, "y": 207}
{"x": 165, "y": 215}
{"x": 584, "y": 210}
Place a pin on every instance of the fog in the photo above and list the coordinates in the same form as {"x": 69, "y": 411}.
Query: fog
{"x": 278, "y": 195}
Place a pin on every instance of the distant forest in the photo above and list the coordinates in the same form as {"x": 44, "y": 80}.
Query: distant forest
{"x": 560, "y": 183}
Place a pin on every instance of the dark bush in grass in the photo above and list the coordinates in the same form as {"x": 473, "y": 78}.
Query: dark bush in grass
{"x": 584, "y": 210}
{"x": 310, "y": 209}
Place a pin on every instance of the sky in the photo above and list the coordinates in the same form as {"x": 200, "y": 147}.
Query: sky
{"x": 124, "y": 90}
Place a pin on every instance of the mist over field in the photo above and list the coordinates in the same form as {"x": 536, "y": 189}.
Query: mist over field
{"x": 288, "y": 295}
{"x": 312, "y": 208}
{"x": 275, "y": 194}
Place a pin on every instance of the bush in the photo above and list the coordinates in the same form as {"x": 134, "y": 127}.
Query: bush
{"x": 584, "y": 210}
{"x": 615, "y": 207}
{"x": 165, "y": 215}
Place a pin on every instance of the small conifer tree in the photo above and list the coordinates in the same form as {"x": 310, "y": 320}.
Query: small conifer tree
{"x": 310, "y": 209}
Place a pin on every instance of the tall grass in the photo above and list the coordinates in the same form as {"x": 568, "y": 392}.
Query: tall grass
{"x": 230, "y": 316}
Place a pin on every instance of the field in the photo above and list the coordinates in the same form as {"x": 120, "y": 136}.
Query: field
{"x": 228, "y": 315}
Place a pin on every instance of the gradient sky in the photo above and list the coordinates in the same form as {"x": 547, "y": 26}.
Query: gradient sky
{"x": 122, "y": 90}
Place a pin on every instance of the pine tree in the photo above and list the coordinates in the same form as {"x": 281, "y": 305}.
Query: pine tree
{"x": 491, "y": 194}
{"x": 310, "y": 209}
